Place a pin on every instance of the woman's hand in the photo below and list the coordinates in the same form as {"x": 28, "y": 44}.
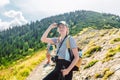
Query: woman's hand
{"x": 65, "y": 72}
{"x": 54, "y": 25}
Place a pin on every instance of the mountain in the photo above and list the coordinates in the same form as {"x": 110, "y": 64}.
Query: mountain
{"x": 17, "y": 42}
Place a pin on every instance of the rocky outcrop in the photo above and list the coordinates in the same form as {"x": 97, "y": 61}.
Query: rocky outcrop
{"x": 102, "y": 38}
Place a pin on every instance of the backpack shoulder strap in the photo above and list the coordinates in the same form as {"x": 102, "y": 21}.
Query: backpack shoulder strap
{"x": 68, "y": 42}
{"x": 69, "y": 47}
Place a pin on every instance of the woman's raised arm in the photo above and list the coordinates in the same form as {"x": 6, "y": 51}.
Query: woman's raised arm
{"x": 44, "y": 37}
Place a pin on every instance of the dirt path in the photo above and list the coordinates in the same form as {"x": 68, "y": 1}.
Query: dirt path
{"x": 40, "y": 71}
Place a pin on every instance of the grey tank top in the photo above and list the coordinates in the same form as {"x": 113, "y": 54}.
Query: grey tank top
{"x": 63, "y": 51}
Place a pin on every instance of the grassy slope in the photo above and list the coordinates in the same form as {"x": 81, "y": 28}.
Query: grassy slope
{"x": 23, "y": 68}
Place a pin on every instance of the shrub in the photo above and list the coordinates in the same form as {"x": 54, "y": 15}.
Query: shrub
{"x": 25, "y": 73}
{"x": 107, "y": 59}
{"x": 107, "y": 74}
{"x": 115, "y": 40}
{"x": 91, "y": 50}
{"x": 98, "y": 75}
{"x": 110, "y": 54}
{"x": 105, "y": 70}
{"x": 90, "y": 64}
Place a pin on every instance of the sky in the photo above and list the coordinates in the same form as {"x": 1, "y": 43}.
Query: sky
{"x": 19, "y": 12}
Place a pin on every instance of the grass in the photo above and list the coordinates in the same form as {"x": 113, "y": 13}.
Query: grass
{"x": 22, "y": 68}
{"x": 91, "y": 50}
{"x": 113, "y": 31}
{"x": 107, "y": 73}
{"x": 105, "y": 70}
{"x": 97, "y": 75}
{"x": 85, "y": 30}
{"x": 111, "y": 52}
{"x": 90, "y": 64}
{"x": 103, "y": 32}
{"x": 115, "y": 40}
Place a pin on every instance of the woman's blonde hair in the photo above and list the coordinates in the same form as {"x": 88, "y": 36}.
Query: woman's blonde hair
{"x": 67, "y": 30}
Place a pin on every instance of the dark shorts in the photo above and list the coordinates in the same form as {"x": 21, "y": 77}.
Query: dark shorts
{"x": 56, "y": 74}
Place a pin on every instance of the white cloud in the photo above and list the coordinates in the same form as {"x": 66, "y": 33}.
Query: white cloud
{"x": 17, "y": 15}
{"x": 38, "y": 9}
{"x": 17, "y": 19}
{"x": 11, "y": 13}
{"x": 4, "y": 2}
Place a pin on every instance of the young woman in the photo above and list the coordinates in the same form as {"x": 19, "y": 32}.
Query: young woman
{"x": 62, "y": 70}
